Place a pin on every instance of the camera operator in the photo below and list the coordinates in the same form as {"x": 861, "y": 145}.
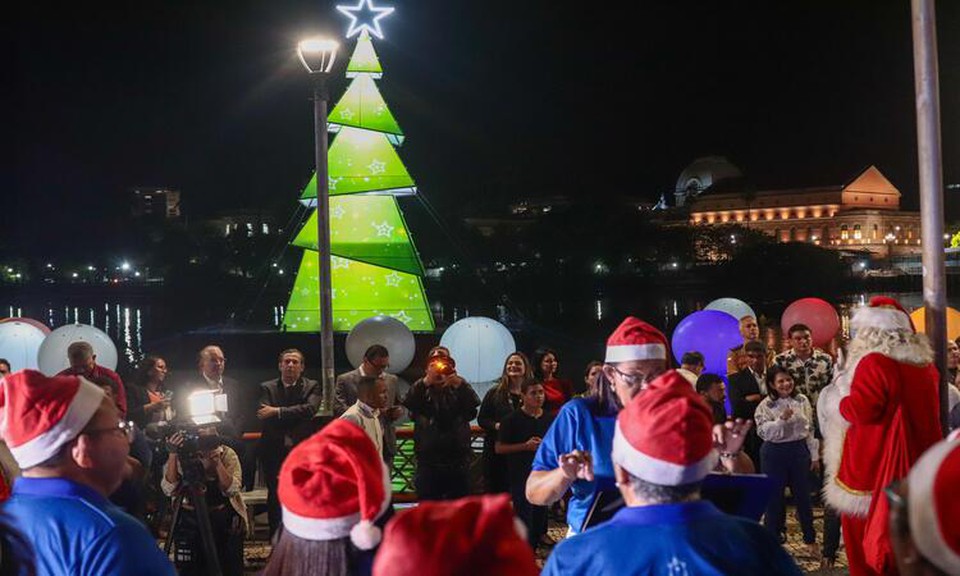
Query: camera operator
{"x": 221, "y": 476}
{"x": 442, "y": 404}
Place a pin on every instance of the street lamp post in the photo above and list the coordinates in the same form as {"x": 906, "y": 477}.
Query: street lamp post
{"x": 317, "y": 56}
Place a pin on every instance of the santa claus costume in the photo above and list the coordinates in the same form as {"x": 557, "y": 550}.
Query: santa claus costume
{"x": 879, "y": 415}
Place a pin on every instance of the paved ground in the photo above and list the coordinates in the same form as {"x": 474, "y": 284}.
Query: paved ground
{"x": 258, "y": 550}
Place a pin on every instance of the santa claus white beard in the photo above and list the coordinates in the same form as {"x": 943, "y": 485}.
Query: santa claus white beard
{"x": 901, "y": 345}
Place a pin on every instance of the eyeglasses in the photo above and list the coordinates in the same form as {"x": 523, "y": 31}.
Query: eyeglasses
{"x": 631, "y": 379}
{"x": 126, "y": 428}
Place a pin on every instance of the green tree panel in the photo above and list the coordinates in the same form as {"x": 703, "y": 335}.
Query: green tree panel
{"x": 363, "y": 161}
{"x": 362, "y": 106}
{"x": 370, "y": 229}
{"x": 364, "y": 59}
{"x": 360, "y": 291}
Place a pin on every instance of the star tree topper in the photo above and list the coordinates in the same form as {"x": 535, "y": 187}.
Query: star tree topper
{"x": 365, "y": 16}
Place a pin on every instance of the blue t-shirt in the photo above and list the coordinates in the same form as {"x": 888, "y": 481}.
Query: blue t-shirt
{"x": 675, "y": 539}
{"x": 74, "y": 530}
{"x": 579, "y": 427}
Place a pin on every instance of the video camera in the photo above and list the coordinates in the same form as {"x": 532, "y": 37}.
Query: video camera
{"x": 202, "y": 408}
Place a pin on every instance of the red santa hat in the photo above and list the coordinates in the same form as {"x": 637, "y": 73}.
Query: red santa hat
{"x": 334, "y": 484}
{"x": 884, "y": 313}
{"x": 38, "y": 414}
{"x": 474, "y": 535}
{"x": 665, "y": 434}
{"x": 934, "y": 505}
{"x": 634, "y": 339}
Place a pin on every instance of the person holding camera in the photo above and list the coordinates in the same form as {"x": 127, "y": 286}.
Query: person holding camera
{"x": 442, "y": 404}
{"x": 220, "y": 472}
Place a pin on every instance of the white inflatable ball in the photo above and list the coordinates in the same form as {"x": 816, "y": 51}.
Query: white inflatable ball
{"x": 19, "y": 344}
{"x": 390, "y": 333}
{"x": 732, "y": 306}
{"x": 52, "y": 357}
{"x": 479, "y": 346}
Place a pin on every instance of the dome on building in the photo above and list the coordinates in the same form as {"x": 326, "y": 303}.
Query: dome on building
{"x": 704, "y": 172}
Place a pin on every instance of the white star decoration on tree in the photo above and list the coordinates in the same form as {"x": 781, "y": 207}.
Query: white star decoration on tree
{"x": 403, "y": 316}
{"x": 377, "y": 167}
{"x": 383, "y": 229}
{"x": 365, "y": 16}
{"x": 336, "y": 263}
{"x": 346, "y": 114}
{"x": 332, "y": 182}
{"x": 392, "y": 279}
{"x": 338, "y": 212}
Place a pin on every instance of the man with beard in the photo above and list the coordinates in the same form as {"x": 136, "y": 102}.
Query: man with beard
{"x": 878, "y": 417}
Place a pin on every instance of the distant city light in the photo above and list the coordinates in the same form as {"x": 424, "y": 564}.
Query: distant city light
{"x": 137, "y": 274}
{"x": 49, "y": 266}
{"x": 125, "y": 266}
{"x": 280, "y": 271}
{"x": 74, "y": 275}
{"x": 90, "y": 268}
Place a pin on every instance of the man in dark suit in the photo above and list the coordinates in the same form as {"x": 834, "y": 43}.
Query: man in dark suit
{"x": 375, "y": 362}
{"x": 287, "y": 406}
{"x": 746, "y": 390}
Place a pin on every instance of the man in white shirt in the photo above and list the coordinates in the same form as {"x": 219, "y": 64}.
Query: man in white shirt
{"x": 691, "y": 367}
{"x": 365, "y": 412}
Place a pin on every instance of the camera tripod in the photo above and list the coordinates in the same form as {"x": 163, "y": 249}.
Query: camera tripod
{"x": 192, "y": 487}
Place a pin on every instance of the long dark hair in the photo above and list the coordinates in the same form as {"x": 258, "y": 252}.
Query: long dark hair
{"x": 142, "y": 375}
{"x": 772, "y": 376}
{"x": 503, "y": 383}
{"x": 295, "y": 556}
{"x": 538, "y": 357}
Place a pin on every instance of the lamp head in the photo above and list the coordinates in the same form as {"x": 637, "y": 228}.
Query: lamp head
{"x": 318, "y": 54}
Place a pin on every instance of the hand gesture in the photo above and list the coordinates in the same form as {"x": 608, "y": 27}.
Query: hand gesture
{"x": 577, "y": 465}
{"x": 174, "y": 441}
{"x": 787, "y": 414}
{"x": 266, "y": 412}
{"x": 158, "y": 404}
{"x": 729, "y": 436}
{"x": 532, "y": 443}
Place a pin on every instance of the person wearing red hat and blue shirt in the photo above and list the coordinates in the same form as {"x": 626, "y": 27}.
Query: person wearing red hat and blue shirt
{"x": 877, "y": 417}
{"x": 574, "y": 455}
{"x": 68, "y": 438}
{"x": 663, "y": 448}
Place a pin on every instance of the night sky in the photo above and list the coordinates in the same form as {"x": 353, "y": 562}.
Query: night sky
{"x": 499, "y": 100}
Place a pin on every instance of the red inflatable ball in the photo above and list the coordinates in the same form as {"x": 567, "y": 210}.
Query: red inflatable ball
{"x": 819, "y": 315}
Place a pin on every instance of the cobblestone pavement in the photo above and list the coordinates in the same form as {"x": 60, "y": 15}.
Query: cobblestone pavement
{"x": 257, "y": 551}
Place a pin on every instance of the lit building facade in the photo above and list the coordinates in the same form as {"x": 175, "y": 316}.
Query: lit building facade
{"x": 861, "y": 215}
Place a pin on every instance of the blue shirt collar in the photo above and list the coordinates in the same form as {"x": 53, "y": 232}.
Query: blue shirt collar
{"x": 666, "y": 513}
{"x": 58, "y": 487}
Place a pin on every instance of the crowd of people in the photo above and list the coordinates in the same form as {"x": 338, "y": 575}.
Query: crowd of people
{"x": 628, "y": 464}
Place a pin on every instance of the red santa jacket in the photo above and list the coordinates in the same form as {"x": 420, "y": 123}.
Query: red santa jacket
{"x": 893, "y": 414}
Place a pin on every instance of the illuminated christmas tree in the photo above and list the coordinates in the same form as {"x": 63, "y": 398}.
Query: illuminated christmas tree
{"x": 375, "y": 269}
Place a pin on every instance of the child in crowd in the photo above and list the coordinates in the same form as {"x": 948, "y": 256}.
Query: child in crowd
{"x": 520, "y": 436}
{"x": 784, "y": 422}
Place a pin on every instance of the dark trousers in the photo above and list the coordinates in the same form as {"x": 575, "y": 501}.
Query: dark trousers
{"x": 227, "y": 531}
{"x": 495, "y": 472}
{"x": 442, "y": 483}
{"x": 788, "y": 464}
{"x": 272, "y": 456}
{"x": 534, "y": 517}
{"x": 831, "y": 532}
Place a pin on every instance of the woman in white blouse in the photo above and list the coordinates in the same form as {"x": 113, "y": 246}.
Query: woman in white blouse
{"x": 789, "y": 452}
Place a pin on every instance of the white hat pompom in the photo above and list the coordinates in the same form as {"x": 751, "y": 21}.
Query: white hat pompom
{"x": 365, "y": 535}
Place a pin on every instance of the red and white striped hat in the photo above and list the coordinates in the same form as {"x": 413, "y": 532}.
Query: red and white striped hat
{"x": 934, "y": 505}
{"x": 335, "y": 484}
{"x": 634, "y": 339}
{"x": 38, "y": 414}
{"x": 665, "y": 434}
